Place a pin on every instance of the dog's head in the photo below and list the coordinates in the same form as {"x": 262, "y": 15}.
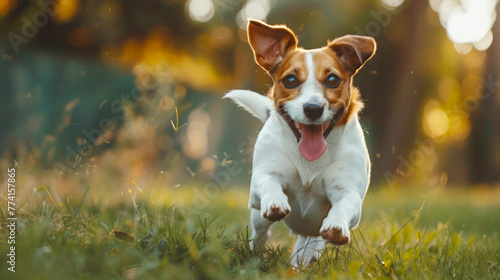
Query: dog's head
{"x": 312, "y": 89}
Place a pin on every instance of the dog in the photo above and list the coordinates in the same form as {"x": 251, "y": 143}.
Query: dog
{"x": 310, "y": 167}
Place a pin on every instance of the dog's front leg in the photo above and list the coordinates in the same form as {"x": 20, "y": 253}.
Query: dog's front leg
{"x": 266, "y": 194}
{"x": 344, "y": 215}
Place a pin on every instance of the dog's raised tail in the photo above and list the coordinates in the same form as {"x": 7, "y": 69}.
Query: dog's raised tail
{"x": 258, "y": 105}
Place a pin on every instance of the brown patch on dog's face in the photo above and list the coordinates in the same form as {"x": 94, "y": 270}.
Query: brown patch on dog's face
{"x": 344, "y": 97}
{"x": 292, "y": 64}
{"x": 326, "y": 63}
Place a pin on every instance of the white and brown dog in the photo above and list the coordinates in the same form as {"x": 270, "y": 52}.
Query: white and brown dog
{"x": 310, "y": 165}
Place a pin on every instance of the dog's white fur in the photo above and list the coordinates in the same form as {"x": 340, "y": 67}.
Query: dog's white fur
{"x": 319, "y": 195}
{"x": 310, "y": 91}
{"x": 258, "y": 105}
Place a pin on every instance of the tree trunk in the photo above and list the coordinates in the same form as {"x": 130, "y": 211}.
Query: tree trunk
{"x": 484, "y": 165}
{"x": 401, "y": 121}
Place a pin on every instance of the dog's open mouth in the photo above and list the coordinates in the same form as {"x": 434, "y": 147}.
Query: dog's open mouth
{"x": 312, "y": 143}
{"x": 311, "y": 137}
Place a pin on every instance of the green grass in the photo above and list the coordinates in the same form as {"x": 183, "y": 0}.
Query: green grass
{"x": 403, "y": 234}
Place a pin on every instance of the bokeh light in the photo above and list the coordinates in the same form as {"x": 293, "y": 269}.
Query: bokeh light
{"x": 436, "y": 122}
{"x": 253, "y": 9}
{"x": 5, "y": 6}
{"x": 200, "y": 10}
{"x": 196, "y": 143}
{"x": 435, "y": 4}
{"x": 463, "y": 48}
{"x": 66, "y": 10}
{"x": 222, "y": 37}
{"x": 391, "y": 5}
{"x": 472, "y": 88}
{"x": 484, "y": 43}
{"x": 467, "y": 22}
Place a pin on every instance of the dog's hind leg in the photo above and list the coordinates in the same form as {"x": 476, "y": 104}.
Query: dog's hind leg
{"x": 307, "y": 250}
{"x": 260, "y": 229}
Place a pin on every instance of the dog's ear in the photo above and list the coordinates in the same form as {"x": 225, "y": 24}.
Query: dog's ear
{"x": 270, "y": 43}
{"x": 353, "y": 50}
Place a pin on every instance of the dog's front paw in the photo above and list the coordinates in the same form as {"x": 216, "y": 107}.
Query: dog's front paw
{"x": 335, "y": 233}
{"x": 275, "y": 209}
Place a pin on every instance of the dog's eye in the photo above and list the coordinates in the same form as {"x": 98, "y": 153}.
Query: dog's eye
{"x": 290, "y": 81}
{"x": 332, "y": 81}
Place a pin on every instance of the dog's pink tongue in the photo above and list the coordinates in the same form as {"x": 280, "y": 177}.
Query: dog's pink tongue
{"x": 312, "y": 144}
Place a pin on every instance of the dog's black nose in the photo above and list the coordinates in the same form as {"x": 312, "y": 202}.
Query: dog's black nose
{"x": 313, "y": 110}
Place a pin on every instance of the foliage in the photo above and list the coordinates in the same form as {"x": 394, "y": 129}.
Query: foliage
{"x": 141, "y": 240}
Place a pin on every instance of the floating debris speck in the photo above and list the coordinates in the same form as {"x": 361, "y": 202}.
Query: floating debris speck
{"x": 190, "y": 171}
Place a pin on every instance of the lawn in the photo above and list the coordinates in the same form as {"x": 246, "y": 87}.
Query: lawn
{"x": 405, "y": 233}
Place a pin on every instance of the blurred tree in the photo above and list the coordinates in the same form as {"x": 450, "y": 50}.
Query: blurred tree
{"x": 206, "y": 59}
{"x": 484, "y": 163}
{"x": 402, "y": 90}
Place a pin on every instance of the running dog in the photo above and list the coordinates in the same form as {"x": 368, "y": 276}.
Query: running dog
{"x": 311, "y": 167}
